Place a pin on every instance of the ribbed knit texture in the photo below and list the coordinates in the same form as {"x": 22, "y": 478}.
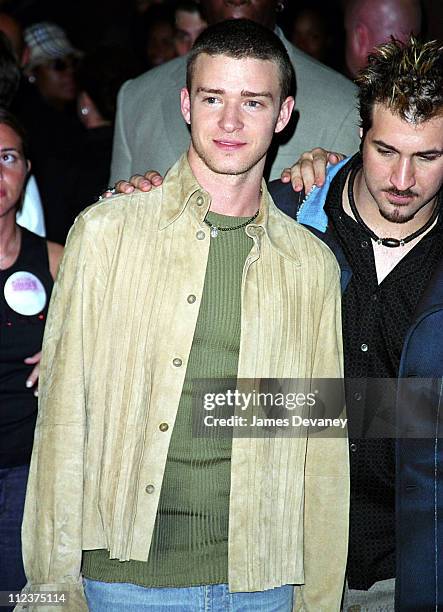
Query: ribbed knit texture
{"x": 190, "y": 539}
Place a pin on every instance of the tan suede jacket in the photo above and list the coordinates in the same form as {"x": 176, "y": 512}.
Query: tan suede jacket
{"x": 119, "y": 332}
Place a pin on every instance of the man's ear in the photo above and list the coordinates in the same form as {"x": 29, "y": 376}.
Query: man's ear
{"x": 28, "y": 167}
{"x": 285, "y": 114}
{"x": 362, "y": 46}
{"x": 185, "y": 105}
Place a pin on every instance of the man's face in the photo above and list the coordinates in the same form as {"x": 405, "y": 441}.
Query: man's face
{"x": 261, "y": 11}
{"x": 402, "y": 164}
{"x": 234, "y": 109}
{"x": 160, "y": 44}
{"x": 56, "y": 80}
{"x": 188, "y": 26}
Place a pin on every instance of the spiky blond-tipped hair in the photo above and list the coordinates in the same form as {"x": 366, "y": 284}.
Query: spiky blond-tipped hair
{"x": 406, "y": 77}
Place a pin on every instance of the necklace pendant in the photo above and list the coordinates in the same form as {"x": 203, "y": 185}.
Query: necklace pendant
{"x": 391, "y": 242}
{"x": 214, "y": 231}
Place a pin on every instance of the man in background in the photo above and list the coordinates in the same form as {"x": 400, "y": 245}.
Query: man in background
{"x": 150, "y": 133}
{"x": 189, "y": 23}
{"x": 369, "y": 23}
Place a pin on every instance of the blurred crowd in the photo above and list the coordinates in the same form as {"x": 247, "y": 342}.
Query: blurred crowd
{"x": 65, "y": 97}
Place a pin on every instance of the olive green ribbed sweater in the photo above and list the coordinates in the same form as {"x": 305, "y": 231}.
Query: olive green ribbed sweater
{"x": 190, "y": 540}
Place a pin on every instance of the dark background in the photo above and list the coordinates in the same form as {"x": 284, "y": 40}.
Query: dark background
{"x": 88, "y": 20}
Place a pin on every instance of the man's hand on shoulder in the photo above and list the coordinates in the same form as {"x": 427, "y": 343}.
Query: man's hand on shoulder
{"x": 146, "y": 182}
{"x": 310, "y": 169}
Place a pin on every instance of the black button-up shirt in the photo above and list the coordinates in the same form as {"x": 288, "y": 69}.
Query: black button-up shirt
{"x": 376, "y": 318}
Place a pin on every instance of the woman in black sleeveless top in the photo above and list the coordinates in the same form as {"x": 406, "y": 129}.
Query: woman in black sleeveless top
{"x": 28, "y": 265}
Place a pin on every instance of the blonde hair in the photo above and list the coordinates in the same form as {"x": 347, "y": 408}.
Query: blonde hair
{"x": 406, "y": 77}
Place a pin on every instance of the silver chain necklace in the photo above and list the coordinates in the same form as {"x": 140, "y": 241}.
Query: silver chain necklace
{"x": 215, "y": 228}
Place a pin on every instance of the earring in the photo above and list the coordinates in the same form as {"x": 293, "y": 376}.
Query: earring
{"x": 31, "y": 78}
{"x": 84, "y": 110}
{"x": 280, "y": 7}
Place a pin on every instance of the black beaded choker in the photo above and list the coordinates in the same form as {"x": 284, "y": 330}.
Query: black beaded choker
{"x": 388, "y": 242}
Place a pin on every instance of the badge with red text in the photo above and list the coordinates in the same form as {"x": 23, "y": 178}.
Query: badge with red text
{"x": 25, "y": 293}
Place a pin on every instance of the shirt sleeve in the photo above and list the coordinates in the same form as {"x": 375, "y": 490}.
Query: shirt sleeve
{"x": 52, "y": 525}
{"x": 121, "y": 164}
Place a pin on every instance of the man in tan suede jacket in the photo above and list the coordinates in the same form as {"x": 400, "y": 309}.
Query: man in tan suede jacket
{"x": 201, "y": 278}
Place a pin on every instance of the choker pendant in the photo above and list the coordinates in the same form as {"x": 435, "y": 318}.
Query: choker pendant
{"x": 391, "y": 242}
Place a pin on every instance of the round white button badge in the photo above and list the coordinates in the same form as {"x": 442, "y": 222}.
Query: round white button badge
{"x": 25, "y": 293}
